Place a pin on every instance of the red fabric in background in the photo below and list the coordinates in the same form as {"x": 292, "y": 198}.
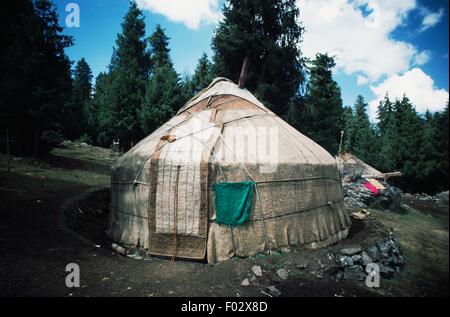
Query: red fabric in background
{"x": 372, "y": 188}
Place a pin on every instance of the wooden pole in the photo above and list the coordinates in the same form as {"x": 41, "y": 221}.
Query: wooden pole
{"x": 340, "y": 143}
{"x": 7, "y": 151}
{"x": 244, "y": 71}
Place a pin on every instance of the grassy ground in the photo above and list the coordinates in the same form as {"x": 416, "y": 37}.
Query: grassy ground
{"x": 36, "y": 243}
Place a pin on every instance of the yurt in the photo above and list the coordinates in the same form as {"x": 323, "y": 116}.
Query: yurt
{"x": 349, "y": 164}
{"x": 226, "y": 177}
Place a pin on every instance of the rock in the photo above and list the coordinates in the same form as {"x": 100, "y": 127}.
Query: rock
{"x": 383, "y": 246}
{"x": 338, "y": 276}
{"x": 386, "y": 271}
{"x": 283, "y": 274}
{"x": 442, "y": 197}
{"x": 257, "y": 270}
{"x": 357, "y": 259}
{"x": 333, "y": 271}
{"x": 245, "y": 282}
{"x": 350, "y": 251}
{"x": 409, "y": 208}
{"x": 253, "y": 278}
{"x": 354, "y": 272}
{"x": 360, "y": 215}
{"x": 344, "y": 260}
{"x": 117, "y": 248}
{"x": 365, "y": 258}
{"x": 390, "y": 198}
{"x": 273, "y": 291}
{"x": 357, "y": 196}
{"x": 302, "y": 265}
{"x": 401, "y": 260}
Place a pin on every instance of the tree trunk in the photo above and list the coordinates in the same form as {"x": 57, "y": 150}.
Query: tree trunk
{"x": 244, "y": 72}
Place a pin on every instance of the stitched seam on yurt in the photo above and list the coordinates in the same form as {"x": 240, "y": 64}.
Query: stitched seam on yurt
{"x": 212, "y": 105}
{"x": 175, "y": 216}
{"x": 295, "y": 212}
{"x": 294, "y": 180}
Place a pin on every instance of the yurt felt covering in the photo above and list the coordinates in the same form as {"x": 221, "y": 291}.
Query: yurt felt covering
{"x": 164, "y": 193}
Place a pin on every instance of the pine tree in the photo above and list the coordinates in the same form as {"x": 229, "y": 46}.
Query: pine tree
{"x": 160, "y": 52}
{"x": 443, "y": 129}
{"x": 405, "y": 142}
{"x": 164, "y": 93}
{"x": 268, "y": 33}
{"x": 349, "y": 129}
{"x": 161, "y": 100}
{"x": 203, "y": 74}
{"x": 364, "y": 144}
{"x": 35, "y": 74}
{"x": 322, "y": 118}
{"x": 82, "y": 93}
{"x": 98, "y": 110}
{"x": 128, "y": 73}
{"x": 434, "y": 152}
{"x": 387, "y": 135}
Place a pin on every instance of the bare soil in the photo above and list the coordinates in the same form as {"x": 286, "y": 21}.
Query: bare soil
{"x": 53, "y": 212}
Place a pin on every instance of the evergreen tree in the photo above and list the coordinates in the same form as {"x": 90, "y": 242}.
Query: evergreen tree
{"x": 160, "y": 52}
{"x": 97, "y": 117}
{"x": 268, "y": 33}
{"x": 349, "y": 129}
{"x": 186, "y": 86}
{"x": 364, "y": 140}
{"x": 161, "y": 100}
{"x": 128, "y": 73}
{"x": 387, "y": 135}
{"x": 434, "y": 152}
{"x": 82, "y": 93}
{"x": 322, "y": 118}
{"x": 401, "y": 133}
{"x": 164, "y": 93}
{"x": 203, "y": 74}
{"x": 35, "y": 73}
{"x": 443, "y": 129}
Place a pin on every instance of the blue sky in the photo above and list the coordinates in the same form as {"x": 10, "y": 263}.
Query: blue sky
{"x": 394, "y": 46}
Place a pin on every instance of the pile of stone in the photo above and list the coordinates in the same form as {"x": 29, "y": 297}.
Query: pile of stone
{"x": 440, "y": 198}
{"x": 352, "y": 263}
{"x": 357, "y": 196}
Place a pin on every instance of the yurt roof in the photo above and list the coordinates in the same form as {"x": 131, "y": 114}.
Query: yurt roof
{"x": 222, "y": 86}
{"x": 234, "y": 107}
{"x": 349, "y": 164}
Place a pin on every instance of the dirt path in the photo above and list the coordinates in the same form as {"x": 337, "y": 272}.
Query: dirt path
{"x": 35, "y": 248}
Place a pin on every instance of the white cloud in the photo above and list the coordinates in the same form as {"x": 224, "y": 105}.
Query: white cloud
{"x": 416, "y": 85}
{"x": 431, "y": 19}
{"x": 358, "y": 33}
{"x": 422, "y": 58}
{"x": 361, "y": 80}
{"x": 192, "y": 13}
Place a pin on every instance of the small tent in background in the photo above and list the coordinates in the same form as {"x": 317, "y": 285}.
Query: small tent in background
{"x": 193, "y": 188}
{"x": 349, "y": 164}
{"x": 365, "y": 186}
